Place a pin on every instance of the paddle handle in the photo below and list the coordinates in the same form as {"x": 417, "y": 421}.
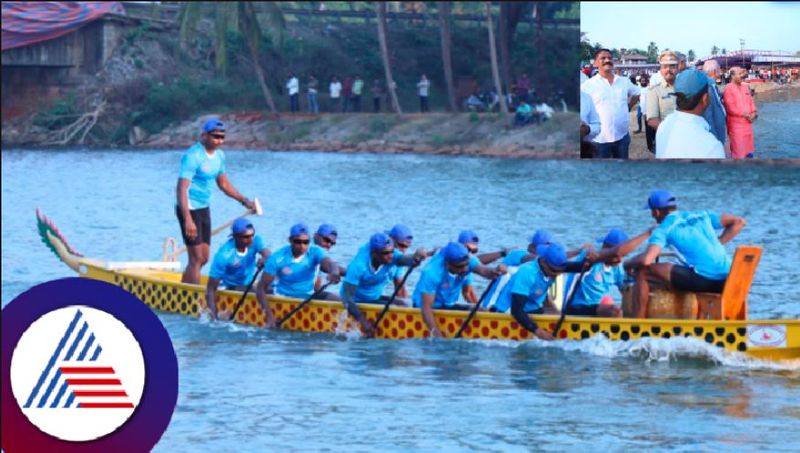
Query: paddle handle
{"x": 475, "y": 309}
{"x": 247, "y": 290}
{"x": 567, "y": 304}
{"x": 394, "y": 294}
{"x": 302, "y": 304}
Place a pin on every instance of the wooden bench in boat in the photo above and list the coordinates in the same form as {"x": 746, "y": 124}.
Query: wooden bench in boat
{"x": 730, "y": 305}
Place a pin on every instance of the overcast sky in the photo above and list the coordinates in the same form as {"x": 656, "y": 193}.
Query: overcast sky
{"x": 693, "y": 25}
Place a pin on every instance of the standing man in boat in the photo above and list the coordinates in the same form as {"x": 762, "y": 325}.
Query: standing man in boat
{"x": 444, "y": 277}
{"x": 693, "y": 235}
{"x": 201, "y": 165}
{"x": 235, "y": 264}
{"x": 370, "y": 272}
{"x": 295, "y": 266}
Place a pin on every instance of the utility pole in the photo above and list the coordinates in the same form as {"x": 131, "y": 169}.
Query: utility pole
{"x": 741, "y": 42}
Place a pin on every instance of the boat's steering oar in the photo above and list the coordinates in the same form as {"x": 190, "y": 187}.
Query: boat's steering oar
{"x": 303, "y": 304}
{"x": 474, "y": 309}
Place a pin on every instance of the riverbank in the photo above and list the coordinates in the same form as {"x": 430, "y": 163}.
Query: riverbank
{"x": 478, "y": 134}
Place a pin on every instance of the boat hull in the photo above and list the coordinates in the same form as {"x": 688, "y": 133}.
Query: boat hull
{"x": 766, "y": 339}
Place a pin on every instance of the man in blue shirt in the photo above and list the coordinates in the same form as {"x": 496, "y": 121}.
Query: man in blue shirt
{"x": 294, "y": 267}
{"x": 235, "y": 264}
{"x": 201, "y": 166}
{"x": 592, "y": 294}
{"x": 325, "y": 237}
{"x": 370, "y": 272}
{"x": 693, "y": 235}
{"x": 444, "y": 278}
{"x": 402, "y": 238}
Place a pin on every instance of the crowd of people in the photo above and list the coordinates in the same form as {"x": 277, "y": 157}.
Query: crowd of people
{"x": 519, "y": 284}
{"x": 687, "y": 112}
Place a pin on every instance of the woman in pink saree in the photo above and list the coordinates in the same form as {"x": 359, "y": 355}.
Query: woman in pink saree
{"x": 741, "y": 112}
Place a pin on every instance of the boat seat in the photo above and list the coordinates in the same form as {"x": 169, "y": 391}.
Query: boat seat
{"x": 732, "y": 303}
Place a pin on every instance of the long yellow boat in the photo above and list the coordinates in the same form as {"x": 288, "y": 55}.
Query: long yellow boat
{"x": 161, "y": 289}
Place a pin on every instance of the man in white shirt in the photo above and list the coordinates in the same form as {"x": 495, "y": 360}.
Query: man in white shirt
{"x": 335, "y": 89}
{"x": 590, "y": 126}
{"x": 613, "y": 98}
{"x": 685, "y": 133}
{"x": 293, "y": 87}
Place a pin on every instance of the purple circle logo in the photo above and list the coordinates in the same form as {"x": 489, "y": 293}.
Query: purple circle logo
{"x": 86, "y": 366}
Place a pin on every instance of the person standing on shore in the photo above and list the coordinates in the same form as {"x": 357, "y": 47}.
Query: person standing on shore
{"x": 313, "y": 105}
{"x": 358, "y": 88}
{"x": 422, "y": 89}
{"x": 613, "y": 98}
{"x": 590, "y": 126}
{"x": 335, "y": 90}
{"x": 293, "y": 87}
{"x": 201, "y": 164}
{"x": 347, "y": 94}
{"x": 741, "y": 113}
{"x": 660, "y": 97}
{"x": 377, "y": 94}
{"x": 715, "y": 114}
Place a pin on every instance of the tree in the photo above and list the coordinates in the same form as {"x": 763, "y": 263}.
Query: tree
{"x": 724, "y": 51}
{"x": 652, "y": 52}
{"x": 495, "y": 70}
{"x": 387, "y": 67}
{"x": 714, "y": 50}
{"x": 691, "y": 56}
{"x": 241, "y": 16}
{"x": 447, "y": 60}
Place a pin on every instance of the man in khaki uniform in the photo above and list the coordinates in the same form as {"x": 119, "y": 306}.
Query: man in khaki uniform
{"x": 660, "y": 97}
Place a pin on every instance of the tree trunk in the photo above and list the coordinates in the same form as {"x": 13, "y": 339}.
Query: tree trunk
{"x": 447, "y": 61}
{"x": 495, "y": 70}
{"x": 247, "y": 13}
{"x": 387, "y": 67}
{"x": 505, "y": 44}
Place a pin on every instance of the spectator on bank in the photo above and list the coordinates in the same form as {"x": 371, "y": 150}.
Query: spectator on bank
{"x": 347, "y": 94}
{"x": 358, "y": 88}
{"x": 335, "y": 90}
{"x": 313, "y": 104}
{"x": 474, "y": 103}
{"x": 377, "y": 94}
{"x": 524, "y": 88}
{"x": 524, "y": 114}
{"x": 293, "y": 87}
{"x": 422, "y": 90}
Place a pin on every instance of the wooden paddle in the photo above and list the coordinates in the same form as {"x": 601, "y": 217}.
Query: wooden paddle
{"x": 247, "y": 290}
{"x": 567, "y": 304}
{"x": 474, "y": 309}
{"x": 303, "y": 304}
{"x": 394, "y": 294}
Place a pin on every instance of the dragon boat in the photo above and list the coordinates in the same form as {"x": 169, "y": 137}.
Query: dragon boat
{"x": 717, "y": 320}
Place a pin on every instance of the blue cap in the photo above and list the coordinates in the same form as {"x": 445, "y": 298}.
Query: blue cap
{"x": 468, "y": 237}
{"x": 400, "y": 233}
{"x": 614, "y": 237}
{"x": 553, "y": 254}
{"x": 240, "y": 226}
{"x": 542, "y": 237}
{"x": 690, "y": 82}
{"x": 214, "y": 124}
{"x": 327, "y": 230}
{"x": 380, "y": 241}
{"x": 298, "y": 229}
{"x": 660, "y": 199}
{"x": 455, "y": 252}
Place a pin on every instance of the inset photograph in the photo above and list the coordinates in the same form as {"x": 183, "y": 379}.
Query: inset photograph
{"x": 672, "y": 81}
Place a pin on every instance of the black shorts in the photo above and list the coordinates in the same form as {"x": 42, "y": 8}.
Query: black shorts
{"x": 582, "y": 310}
{"x": 202, "y": 220}
{"x": 685, "y": 278}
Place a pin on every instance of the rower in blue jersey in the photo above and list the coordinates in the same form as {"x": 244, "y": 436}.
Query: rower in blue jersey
{"x": 527, "y": 291}
{"x": 370, "y": 272}
{"x": 693, "y": 234}
{"x": 326, "y": 237}
{"x": 444, "y": 278}
{"x": 235, "y": 263}
{"x": 593, "y": 293}
{"x": 294, "y": 267}
{"x": 402, "y": 238}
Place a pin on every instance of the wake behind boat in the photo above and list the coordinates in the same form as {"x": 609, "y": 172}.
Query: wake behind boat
{"x": 158, "y": 285}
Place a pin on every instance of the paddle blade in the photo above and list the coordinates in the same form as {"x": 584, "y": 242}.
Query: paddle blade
{"x": 258, "y": 210}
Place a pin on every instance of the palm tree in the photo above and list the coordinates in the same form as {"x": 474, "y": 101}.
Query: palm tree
{"x": 447, "y": 61}
{"x": 242, "y": 17}
{"x": 495, "y": 70}
{"x": 387, "y": 67}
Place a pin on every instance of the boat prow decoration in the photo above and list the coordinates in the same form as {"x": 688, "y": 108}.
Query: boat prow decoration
{"x": 57, "y": 243}
{"x": 158, "y": 284}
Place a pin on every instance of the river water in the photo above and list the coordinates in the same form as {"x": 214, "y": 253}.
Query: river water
{"x": 246, "y": 389}
{"x": 777, "y": 130}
